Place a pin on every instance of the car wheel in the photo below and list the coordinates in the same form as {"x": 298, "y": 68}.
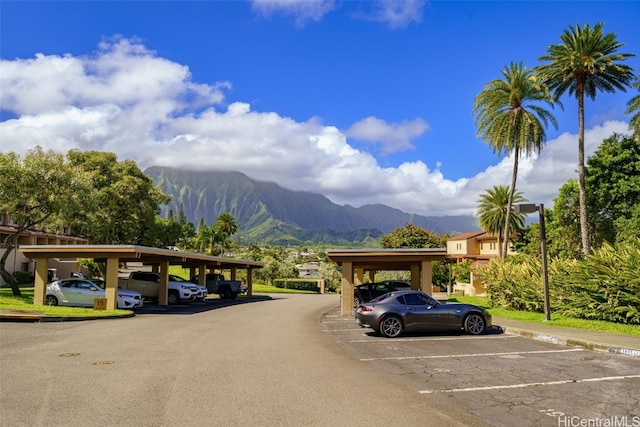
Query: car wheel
{"x": 391, "y": 326}
{"x": 234, "y": 295}
{"x": 474, "y": 324}
{"x": 174, "y": 298}
{"x": 51, "y": 300}
{"x": 225, "y": 293}
{"x": 357, "y": 301}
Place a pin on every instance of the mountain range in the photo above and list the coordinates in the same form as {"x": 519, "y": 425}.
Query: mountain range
{"x": 268, "y": 213}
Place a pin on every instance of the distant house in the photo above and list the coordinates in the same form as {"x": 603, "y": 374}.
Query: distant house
{"x": 477, "y": 246}
{"x": 17, "y": 262}
{"x": 309, "y": 269}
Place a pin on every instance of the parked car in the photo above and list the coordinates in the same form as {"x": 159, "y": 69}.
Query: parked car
{"x": 369, "y": 291}
{"x": 217, "y": 284}
{"x": 79, "y": 292}
{"x": 202, "y": 291}
{"x": 148, "y": 284}
{"x": 406, "y": 311}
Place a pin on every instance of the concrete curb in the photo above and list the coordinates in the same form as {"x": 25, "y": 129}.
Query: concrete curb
{"x": 572, "y": 342}
{"x": 39, "y": 316}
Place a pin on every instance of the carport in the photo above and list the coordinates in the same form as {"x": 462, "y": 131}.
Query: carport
{"x": 355, "y": 262}
{"x": 114, "y": 255}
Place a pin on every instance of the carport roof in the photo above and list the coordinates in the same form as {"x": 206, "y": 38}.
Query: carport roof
{"x": 386, "y": 259}
{"x": 134, "y": 253}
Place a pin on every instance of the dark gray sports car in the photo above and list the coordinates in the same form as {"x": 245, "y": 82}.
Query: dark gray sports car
{"x": 406, "y": 311}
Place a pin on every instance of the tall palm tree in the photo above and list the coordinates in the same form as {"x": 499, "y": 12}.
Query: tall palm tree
{"x": 226, "y": 226}
{"x": 585, "y": 63}
{"x": 492, "y": 211}
{"x": 510, "y": 118}
{"x": 634, "y": 107}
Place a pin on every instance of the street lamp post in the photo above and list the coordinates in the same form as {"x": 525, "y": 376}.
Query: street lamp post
{"x": 530, "y": 208}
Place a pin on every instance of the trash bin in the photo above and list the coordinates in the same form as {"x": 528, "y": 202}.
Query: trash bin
{"x": 99, "y": 303}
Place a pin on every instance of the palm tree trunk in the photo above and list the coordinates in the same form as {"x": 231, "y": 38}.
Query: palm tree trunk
{"x": 512, "y": 190}
{"x": 584, "y": 227}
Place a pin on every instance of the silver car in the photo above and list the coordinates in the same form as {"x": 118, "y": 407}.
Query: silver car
{"x": 406, "y": 311}
{"x": 77, "y": 292}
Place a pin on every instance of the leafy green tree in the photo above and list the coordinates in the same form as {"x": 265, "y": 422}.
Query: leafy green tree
{"x": 164, "y": 233}
{"x": 41, "y": 190}
{"x": 634, "y": 108}
{"x": 126, "y": 202}
{"x": 510, "y": 118}
{"x": 563, "y": 225}
{"x": 613, "y": 181}
{"x": 412, "y": 236}
{"x": 585, "y": 63}
{"x": 492, "y": 211}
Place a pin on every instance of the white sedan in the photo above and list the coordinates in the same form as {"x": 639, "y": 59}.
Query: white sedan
{"x": 79, "y": 292}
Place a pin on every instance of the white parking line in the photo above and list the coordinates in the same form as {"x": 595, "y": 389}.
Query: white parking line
{"x": 523, "y": 385}
{"x": 451, "y": 356}
{"x": 457, "y": 338}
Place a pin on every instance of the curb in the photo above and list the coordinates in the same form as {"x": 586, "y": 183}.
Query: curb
{"x": 39, "y": 316}
{"x": 572, "y": 342}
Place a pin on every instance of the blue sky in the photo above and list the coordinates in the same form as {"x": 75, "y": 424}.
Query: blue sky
{"x": 362, "y": 101}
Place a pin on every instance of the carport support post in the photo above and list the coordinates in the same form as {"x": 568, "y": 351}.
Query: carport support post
{"x": 415, "y": 277}
{"x": 163, "y": 292}
{"x": 40, "y": 281}
{"x": 249, "y": 281}
{"x": 347, "y": 288}
{"x": 202, "y": 275}
{"x": 427, "y": 277}
{"x": 111, "y": 283}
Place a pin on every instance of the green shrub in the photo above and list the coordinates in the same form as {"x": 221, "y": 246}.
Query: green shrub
{"x": 22, "y": 276}
{"x": 298, "y": 284}
{"x": 603, "y": 286}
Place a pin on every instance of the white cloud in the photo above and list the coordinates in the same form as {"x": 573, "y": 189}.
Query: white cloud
{"x": 394, "y": 13}
{"x": 303, "y": 10}
{"x": 391, "y": 137}
{"x": 128, "y": 101}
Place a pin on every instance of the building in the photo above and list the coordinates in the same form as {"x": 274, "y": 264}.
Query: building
{"x": 18, "y": 262}
{"x": 478, "y": 247}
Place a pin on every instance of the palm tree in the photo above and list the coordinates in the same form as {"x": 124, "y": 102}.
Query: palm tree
{"x": 634, "y": 107}
{"x": 584, "y": 64}
{"x": 510, "y": 118}
{"x": 226, "y": 226}
{"x": 492, "y": 211}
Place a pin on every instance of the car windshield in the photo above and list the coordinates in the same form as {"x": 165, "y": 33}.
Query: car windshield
{"x": 176, "y": 278}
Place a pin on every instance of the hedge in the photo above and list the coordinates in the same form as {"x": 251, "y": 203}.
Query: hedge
{"x": 298, "y": 284}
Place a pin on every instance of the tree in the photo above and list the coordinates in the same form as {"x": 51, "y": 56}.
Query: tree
{"x": 492, "y": 211}
{"x": 125, "y": 201}
{"x": 412, "y": 236}
{"x": 613, "y": 181}
{"x": 585, "y": 63}
{"x": 563, "y": 225}
{"x": 634, "y": 107}
{"x": 510, "y": 118}
{"x": 226, "y": 226}
{"x": 42, "y": 190}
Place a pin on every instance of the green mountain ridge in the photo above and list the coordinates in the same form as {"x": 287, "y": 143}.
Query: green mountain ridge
{"x": 268, "y": 213}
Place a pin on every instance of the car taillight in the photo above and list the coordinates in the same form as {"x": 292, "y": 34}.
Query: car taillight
{"x": 364, "y": 308}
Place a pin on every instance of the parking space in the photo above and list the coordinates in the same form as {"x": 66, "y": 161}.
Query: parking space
{"x": 500, "y": 378}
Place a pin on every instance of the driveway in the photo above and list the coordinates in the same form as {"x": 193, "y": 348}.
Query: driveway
{"x": 266, "y": 363}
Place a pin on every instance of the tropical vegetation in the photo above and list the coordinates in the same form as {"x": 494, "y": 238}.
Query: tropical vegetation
{"x": 585, "y": 63}
{"x": 510, "y": 118}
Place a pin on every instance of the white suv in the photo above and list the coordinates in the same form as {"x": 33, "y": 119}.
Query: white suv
{"x": 148, "y": 284}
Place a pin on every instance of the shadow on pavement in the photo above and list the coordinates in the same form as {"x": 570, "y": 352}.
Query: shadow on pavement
{"x": 198, "y": 307}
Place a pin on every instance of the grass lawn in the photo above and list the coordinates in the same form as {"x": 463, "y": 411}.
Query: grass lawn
{"x": 556, "y": 319}
{"x": 25, "y": 302}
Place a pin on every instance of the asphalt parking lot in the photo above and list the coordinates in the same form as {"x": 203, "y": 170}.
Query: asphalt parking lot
{"x": 501, "y": 378}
